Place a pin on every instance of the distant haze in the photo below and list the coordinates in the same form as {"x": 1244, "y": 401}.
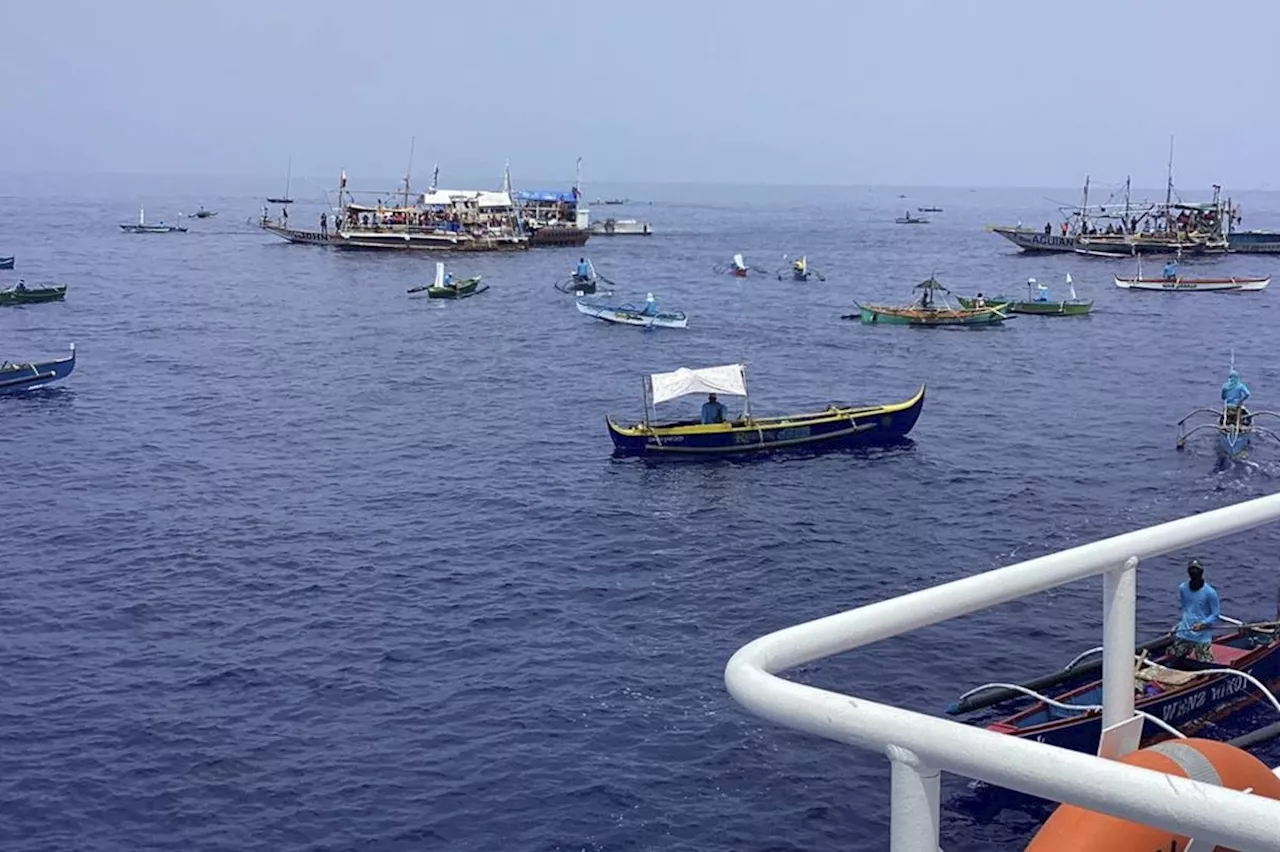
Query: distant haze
{"x": 906, "y": 92}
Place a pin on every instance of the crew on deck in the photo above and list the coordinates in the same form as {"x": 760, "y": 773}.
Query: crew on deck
{"x": 980, "y": 302}
{"x": 1042, "y": 292}
{"x": 798, "y": 266}
{"x": 1200, "y": 612}
{"x": 583, "y": 272}
{"x": 712, "y": 411}
{"x": 1171, "y": 270}
{"x": 650, "y": 308}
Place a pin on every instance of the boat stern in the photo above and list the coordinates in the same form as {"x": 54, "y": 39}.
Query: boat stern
{"x": 627, "y": 440}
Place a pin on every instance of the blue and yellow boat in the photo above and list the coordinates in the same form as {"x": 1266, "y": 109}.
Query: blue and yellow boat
{"x": 837, "y": 427}
{"x": 19, "y": 377}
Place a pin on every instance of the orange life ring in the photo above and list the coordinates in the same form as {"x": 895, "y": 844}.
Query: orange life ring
{"x": 1075, "y": 829}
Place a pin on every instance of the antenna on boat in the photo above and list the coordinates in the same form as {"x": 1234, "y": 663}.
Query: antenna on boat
{"x": 409, "y": 171}
{"x": 1168, "y": 193}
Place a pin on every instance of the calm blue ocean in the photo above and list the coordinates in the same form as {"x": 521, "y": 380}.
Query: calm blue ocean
{"x": 297, "y": 562}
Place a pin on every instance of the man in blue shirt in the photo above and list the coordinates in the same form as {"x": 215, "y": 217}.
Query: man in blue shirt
{"x": 1199, "y": 614}
{"x": 712, "y": 411}
{"x": 583, "y": 272}
{"x": 1234, "y": 394}
{"x": 1171, "y": 270}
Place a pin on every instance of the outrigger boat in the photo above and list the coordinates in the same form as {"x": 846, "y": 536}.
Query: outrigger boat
{"x": 924, "y": 312}
{"x": 204, "y": 214}
{"x": 738, "y": 269}
{"x": 7, "y": 262}
{"x": 448, "y": 287}
{"x": 21, "y": 294}
{"x": 1182, "y": 694}
{"x": 800, "y": 271}
{"x": 1178, "y": 284}
{"x": 928, "y": 209}
{"x": 646, "y": 315}
{"x": 143, "y": 228}
{"x": 19, "y": 378}
{"x": 837, "y": 427}
{"x": 582, "y": 285}
{"x": 1233, "y": 425}
{"x": 1034, "y": 304}
{"x": 908, "y": 219}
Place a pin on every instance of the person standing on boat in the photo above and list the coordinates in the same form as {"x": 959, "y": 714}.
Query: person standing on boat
{"x": 712, "y": 411}
{"x": 583, "y": 272}
{"x": 1171, "y": 270}
{"x": 650, "y": 308}
{"x": 1234, "y": 394}
{"x": 1200, "y": 612}
{"x": 324, "y": 225}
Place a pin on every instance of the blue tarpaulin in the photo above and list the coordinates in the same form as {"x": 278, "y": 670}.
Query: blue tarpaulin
{"x": 544, "y": 195}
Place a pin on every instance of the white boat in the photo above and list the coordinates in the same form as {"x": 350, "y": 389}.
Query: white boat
{"x": 143, "y": 228}
{"x": 622, "y": 228}
{"x": 646, "y": 315}
{"x": 1193, "y": 285}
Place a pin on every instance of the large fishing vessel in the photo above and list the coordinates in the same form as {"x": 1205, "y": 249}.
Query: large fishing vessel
{"x": 1123, "y": 228}
{"x": 555, "y": 217}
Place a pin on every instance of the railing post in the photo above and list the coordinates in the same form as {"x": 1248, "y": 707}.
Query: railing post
{"x": 1119, "y": 599}
{"x": 914, "y": 802}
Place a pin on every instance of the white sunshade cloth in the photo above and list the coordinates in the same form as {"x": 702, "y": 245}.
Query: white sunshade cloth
{"x": 730, "y": 379}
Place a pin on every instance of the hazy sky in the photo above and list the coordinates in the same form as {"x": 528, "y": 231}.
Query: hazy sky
{"x": 898, "y": 92}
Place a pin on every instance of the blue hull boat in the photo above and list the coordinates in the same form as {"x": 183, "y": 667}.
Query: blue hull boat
{"x": 6, "y": 262}
{"x": 1173, "y": 691}
{"x": 1233, "y": 430}
{"x": 19, "y": 378}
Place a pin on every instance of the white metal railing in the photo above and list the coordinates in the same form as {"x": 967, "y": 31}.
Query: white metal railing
{"x": 919, "y": 746}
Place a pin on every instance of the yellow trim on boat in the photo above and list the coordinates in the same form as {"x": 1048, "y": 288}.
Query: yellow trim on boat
{"x": 755, "y": 424}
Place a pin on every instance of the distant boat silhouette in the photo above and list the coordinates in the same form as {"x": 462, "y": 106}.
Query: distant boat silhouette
{"x": 285, "y": 199}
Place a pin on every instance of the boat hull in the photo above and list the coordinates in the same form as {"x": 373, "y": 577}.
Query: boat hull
{"x": 1254, "y": 242}
{"x": 425, "y": 241}
{"x": 1210, "y": 698}
{"x": 21, "y": 378}
{"x": 558, "y": 235}
{"x": 465, "y": 288}
{"x": 1234, "y": 445}
{"x": 300, "y": 237}
{"x": 153, "y": 229}
{"x": 7, "y": 262}
{"x": 1031, "y": 240}
{"x": 629, "y": 315}
{"x": 837, "y": 428}
{"x": 883, "y": 315}
{"x": 32, "y": 296}
{"x": 1192, "y": 285}
{"x": 1048, "y": 309}
{"x": 622, "y": 228}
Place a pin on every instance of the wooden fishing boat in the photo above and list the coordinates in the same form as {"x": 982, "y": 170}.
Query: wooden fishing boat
{"x": 836, "y": 427}
{"x": 583, "y": 285}
{"x": 928, "y": 209}
{"x": 450, "y": 288}
{"x": 1233, "y": 429}
{"x": 800, "y": 271}
{"x": 647, "y": 315}
{"x": 622, "y": 228}
{"x": 143, "y": 228}
{"x": 908, "y": 219}
{"x": 1181, "y": 693}
{"x": 21, "y": 294}
{"x": 1178, "y": 284}
{"x": 20, "y": 377}
{"x": 738, "y": 269}
{"x": 7, "y": 262}
{"x": 1037, "y": 303}
{"x": 204, "y": 214}
{"x": 925, "y": 310}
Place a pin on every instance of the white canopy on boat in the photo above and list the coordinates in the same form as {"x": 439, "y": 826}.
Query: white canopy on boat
{"x": 730, "y": 379}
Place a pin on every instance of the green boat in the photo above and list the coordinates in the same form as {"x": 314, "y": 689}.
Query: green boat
{"x": 1038, "y": 302}
{"x": 927, "y": 312}
{"x": 448, "y": 287}
{"x": 21, "y": 294}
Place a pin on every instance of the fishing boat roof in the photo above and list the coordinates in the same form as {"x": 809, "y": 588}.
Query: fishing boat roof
{"x": 730, "y": 379}
{"x": 479, "y": 197}
{"x": 931, "y": 284}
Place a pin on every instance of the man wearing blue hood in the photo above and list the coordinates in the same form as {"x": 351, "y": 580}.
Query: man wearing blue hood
{"x": 1234, "y": 394}
{"x": 583, "y": 272}
{"x": 1200, "y": 611}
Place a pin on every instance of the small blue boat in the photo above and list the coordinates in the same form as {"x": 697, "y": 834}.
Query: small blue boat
{"x": 7, "y": 262}
{"x": 19, "y": 378}
{"x": 837, "y": 427}
{"x": 1233, "y": 429}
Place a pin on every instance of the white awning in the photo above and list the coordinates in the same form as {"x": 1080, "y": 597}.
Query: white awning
{"x": 730, "y": 379}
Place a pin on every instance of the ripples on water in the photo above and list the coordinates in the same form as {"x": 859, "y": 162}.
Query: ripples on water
{"x": 298, "y": 562}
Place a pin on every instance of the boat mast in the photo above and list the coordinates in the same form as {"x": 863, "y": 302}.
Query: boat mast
{"x": 1168, "y": 192}
{"x": 1084, "y": 205}
{"x": 746, "y": 397}
{"x": 644, "y": 382}
{"x": 288, "y": 175}
{"x": 407, "y": 172}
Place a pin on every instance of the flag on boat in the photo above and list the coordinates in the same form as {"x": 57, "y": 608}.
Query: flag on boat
{"x": 342, "y": 182}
